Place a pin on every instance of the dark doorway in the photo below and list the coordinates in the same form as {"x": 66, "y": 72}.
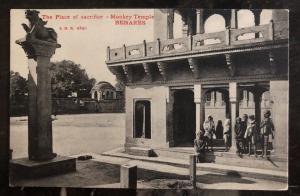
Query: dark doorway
{"x": 184, "y": 124}
{"x": 142, "y": 119}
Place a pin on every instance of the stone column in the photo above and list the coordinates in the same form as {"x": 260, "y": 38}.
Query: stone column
{"x": 170, "y": 108}
{"x": 233, "y": 20}
{"x": 257, "y": 107}
{"x": 128, "y": 176}
{"x": 200, "y": 106}
{"x": 39, "y": 118}
{"x": 234, "y": 106}
{"x": 199, "y": 21}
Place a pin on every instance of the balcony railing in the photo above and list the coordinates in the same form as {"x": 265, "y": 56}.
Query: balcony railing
{"x": 229, "y": 37}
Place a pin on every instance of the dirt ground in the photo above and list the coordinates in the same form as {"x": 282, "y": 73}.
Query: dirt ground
{"x": 74, "y": 134}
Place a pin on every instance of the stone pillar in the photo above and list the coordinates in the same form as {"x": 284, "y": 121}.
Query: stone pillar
{"x": 193, "y": 176}
{"x": 234, "y": 106}
{"x": 200, "y": 106}
{"x": 199, "y": 21}
{"x": 257, "y": 108}
{"x": 256, "y": 20}
{"x": 39, "y": 119}
{"x": 128, "y": 176}
{"x": 170, "y": 104}
{"x": 279, "y": 107}
{"x": 233, "y": 20}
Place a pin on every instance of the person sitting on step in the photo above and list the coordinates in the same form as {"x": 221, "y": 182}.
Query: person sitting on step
{"x": 199, "y": 146}
{"x": 209, "y": 127}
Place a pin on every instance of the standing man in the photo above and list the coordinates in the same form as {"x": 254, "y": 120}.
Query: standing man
{"x": 209, "y": 127}
{"x": 266, "y": 131}
{"x": 244, "y": 124}
{"x": 239, "y": 136}
{"x": 251, "y": 134}
{"x": 227, "y": 133}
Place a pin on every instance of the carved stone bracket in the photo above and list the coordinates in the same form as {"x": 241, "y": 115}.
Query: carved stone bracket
{"x": 162, "y": 67}
{"x": 272, "y": 60}
{"x": 118, "y": 72}
{"x": 194, "y": 66}
{"x": 128, "y": 73}
{"x": 231, "y": 66}
{"x": 148, "y": 72}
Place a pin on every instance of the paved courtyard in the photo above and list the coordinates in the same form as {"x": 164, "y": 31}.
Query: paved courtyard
{"x": 74, "y": 134}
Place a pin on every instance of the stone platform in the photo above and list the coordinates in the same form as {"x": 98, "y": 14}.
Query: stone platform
{"x": 179, "y": 157}
{"x": 25, "y": 168}
{"x": 140, "y": 151}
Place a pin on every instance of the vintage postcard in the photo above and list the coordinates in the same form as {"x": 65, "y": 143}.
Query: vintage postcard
{"x": 149, "y": 98}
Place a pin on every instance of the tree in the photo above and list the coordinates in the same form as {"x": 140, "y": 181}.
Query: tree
{"x": 18, "y": 88}
{"x": 68, "y": 77}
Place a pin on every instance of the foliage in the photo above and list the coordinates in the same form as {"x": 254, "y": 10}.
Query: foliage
{"x": 18, "y": 87}
{"x": 68, "y": 78}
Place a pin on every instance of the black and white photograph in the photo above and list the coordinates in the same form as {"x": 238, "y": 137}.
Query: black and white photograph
{"x": 177, "y": 98}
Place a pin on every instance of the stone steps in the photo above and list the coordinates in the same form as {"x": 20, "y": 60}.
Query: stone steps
{"x": 266, "y": 174}
{"x": 227, "y": 158}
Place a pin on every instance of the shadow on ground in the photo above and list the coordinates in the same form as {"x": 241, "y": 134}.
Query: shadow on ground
{"x": 93, "y": 173}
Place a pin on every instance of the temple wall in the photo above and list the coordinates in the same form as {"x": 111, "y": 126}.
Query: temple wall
{"x": 279, "y": 98}
{"x": 157, "y": 97}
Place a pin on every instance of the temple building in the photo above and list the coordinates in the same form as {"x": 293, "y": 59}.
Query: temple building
{"x": 173, "y": 83}
{"x": 103, "y": 91}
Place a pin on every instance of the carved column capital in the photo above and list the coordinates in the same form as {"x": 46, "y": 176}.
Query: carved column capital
{"x": 231, "y": 66}
{"x": 162, "y": 67}
{"x": 34, "y": 47}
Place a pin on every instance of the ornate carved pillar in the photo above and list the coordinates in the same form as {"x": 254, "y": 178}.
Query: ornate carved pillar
{"x": 170, "y": 108}
{"x": 257, "y": 94}
{"x": 200, "y": 106}
{"x": 194, "y": 66}
{"x": 234, "y": 106}
{"x": 199, "y": 21}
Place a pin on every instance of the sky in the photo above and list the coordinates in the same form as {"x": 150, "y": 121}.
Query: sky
{"x": 87, "y": 44}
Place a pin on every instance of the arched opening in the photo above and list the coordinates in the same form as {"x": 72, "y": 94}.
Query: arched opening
{"x": 245, "y": 18}
{"x": 142, "y": 119}
{"x": 184, "y": 122}
{"x": 214, "y": 23}
{"x": 265, "y": 17}
{"x": 217, "y": 106}
{"x": 177, "y": 30}
{"x": 96, "y": 95}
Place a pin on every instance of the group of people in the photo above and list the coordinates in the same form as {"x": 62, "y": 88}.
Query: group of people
{"x": 248, "y": 135}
